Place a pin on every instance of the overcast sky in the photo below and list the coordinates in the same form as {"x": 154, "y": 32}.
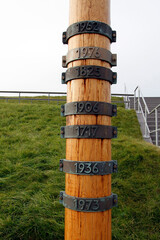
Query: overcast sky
{"x": 31, "y": 47}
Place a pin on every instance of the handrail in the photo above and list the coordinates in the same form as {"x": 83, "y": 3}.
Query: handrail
{"x": 144, "y": 102}
{"x": 33, "y": 92}
{"x": 155, "y": 130}
{"x": 155, "y": 108}
{"x": 144, "y": 119}
{"x": 136, "y": 88}
{"x": 49, "y": 99}
{"x": 122, "y": 94}
{"x": 146, "y": 113}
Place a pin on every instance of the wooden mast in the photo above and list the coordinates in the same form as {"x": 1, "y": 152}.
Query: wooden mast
{"x": 92, "y": 225}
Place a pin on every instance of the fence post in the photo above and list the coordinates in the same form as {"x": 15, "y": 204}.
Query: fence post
{"x": 88, "y": 141}
{"x": 48, "y": 98}
{"x": 138, "y": 100}
{"x": 128, "y": 100}
{"x": 146, "y": 131}
{"x": 135, "y": 100}
{"x": 19, "y": 97}
{"x": 156, "y": 125}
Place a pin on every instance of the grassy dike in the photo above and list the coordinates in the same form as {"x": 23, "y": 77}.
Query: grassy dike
{"x": 30, "y": 182}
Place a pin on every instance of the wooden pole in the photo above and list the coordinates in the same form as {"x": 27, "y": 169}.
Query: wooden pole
{"x": 92, "y": 225}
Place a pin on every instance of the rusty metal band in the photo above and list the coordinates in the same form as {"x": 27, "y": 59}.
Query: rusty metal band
{"x": 94, "y": 27}
{"x": 88, "y": 108}
{"x": 89, "y": 71}
{"x": 88, "y": 168}
{"x": 89, "y": 53}
{"x": 89, "y": 131}
{"x": 88, "y": 204}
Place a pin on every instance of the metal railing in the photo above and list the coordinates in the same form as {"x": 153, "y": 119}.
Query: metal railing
{"x": 138, "y": 107}
{"x": 48, "y": 96}
{"x": 19, "y": 96}
{"x": 127, "y": 98}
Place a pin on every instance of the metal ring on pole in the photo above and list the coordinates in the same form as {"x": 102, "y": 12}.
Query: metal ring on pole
{"x": 88, "y": 168}
{"x": 89, "y": 71}
{"x": 88, "y": 108}
{"x": 95, "y": 27}
{"x": 89, "y": 204}
{"x": 89, "y": 131}
{"x": 83, "y": 53}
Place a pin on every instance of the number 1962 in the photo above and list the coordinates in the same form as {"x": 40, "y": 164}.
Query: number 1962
{"x": 88, "y": 26}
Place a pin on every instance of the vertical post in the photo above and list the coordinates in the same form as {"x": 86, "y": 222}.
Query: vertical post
{"x": 125, "y": 97}
{"x": 135, "y": 100}
{"x": 19, "y": 97}
{"x": 138, "y": 100}
{"x": 85, "y": 219}
{"x": 156, "y": 125}
{"x": 48, "y": 98}
{"x": 146, "y": 132}
{"x": 129, "y": 103}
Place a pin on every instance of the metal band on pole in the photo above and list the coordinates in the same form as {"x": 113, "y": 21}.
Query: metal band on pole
{"x": 89, "y": 131}
{"x": 88, "y": 108}
{"x": 88, "y": 204}
{"x": 89, "y": 72}
{"x": 95, "y": 27}
{"x": 89, "y": 53}
{"x": 88, "y": 168}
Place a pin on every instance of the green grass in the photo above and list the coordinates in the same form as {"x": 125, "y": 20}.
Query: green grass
{"x": 137, "y": 182}
{"x": 30, "y": 182}
{"x": 29, "y": 178}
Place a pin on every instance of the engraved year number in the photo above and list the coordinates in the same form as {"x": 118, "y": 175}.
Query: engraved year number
{"x": 86, "y": 205}
{"x": 86, "y": 168}
{"x": 87, "y": 107}
{"x": 88, "y": 52}
{"x": 88, "y": 26}
{"x": 88, "y": 71}
{"x": 87, "y": 131}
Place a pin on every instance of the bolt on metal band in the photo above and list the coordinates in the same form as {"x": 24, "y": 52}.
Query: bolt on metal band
{"x": 89, "y": 71}
{"x": 89, "y": 204}
{"x": 89, "y": 131}
{"x": 95, "y": 27}
{"x": 88, "y": 168}
{"x": 83, "y": 53}
{"x": 88, "y": 108}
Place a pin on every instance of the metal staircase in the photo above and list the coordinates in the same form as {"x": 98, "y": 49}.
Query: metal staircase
{"x": 149, "y": 108}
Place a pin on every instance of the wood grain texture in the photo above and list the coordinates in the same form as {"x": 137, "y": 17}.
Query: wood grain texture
{"x": 79, "y": 225}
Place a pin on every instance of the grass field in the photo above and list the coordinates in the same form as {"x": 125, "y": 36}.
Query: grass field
{"x": 30, "y": 181}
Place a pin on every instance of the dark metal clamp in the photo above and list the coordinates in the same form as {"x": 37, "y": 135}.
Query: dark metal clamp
{"x": 89, "y": 131}
{"x": 88, "y": 204}
{"x": 83, "y": 53}
{"x": 88, "y": 108}
{"x": 88, "y": 168}
{"x": 89, "y": 71}
{"x": 95, "y": 27}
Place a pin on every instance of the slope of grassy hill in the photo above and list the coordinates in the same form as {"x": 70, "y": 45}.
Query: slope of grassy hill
{"x": 30, "y": 181}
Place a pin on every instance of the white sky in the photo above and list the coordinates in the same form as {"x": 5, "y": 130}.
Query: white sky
{"x": 31, "y": 47}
